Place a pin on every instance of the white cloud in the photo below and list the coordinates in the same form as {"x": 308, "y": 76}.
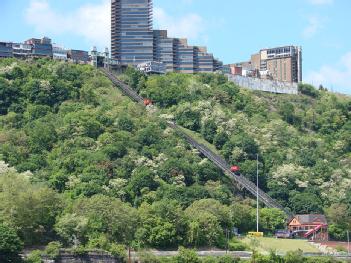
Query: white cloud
{"x": 321, "y": 2}
{"x": 336, "y": 77}
{"x": 314, "y": 25}
{"x": 92, "y": 22}
{"x": 191, "y": 26}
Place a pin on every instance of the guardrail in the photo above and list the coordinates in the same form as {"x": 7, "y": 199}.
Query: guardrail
{"x": 216, "y": 159}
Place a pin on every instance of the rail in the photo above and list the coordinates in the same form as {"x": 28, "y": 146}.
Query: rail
{"x": 216, "y": 159}
{"x": 124, "y": 87}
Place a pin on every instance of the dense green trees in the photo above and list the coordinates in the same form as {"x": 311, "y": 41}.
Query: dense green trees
{"x": 10, "y": 244}
{"x": 90, "y": 217}
{"x": 30, "y": 209}
{"x": 162, "y": 224}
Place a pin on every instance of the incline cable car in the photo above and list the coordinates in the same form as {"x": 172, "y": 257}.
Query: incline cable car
{"x": 147, "y": 102}
{"x": 235, "y": 169}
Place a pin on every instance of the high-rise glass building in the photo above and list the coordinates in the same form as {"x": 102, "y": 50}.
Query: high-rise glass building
{"x": 164, "y": 49}
{"x": 131, "y": 31}
{"x": 133, "y": 41}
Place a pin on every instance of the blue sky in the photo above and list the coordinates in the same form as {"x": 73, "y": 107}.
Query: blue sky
{"x": 231, "y": 29}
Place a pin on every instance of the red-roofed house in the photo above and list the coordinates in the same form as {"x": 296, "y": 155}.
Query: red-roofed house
{"x": 312, "y": 227}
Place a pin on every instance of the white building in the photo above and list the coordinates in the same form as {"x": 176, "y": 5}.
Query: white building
{"x": 59, "y": 52}
{"x": 152, "y": 67}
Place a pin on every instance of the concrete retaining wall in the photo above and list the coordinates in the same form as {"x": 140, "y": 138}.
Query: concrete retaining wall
{"x": 265, "y": 85}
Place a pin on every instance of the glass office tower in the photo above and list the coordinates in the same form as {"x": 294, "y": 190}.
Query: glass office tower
{"x": 133, "y": 41}
{"x": 131, "y": 31}
{"x": 164, "y": 49}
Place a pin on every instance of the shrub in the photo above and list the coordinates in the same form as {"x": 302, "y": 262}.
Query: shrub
{"x": 118, "y": 251}
{"x": 10, "y": 244}
{"x": 100, "y": 242}
{"x": 228, "y": 259}
{"x": 187, "y": 256}
{"x": 146, "y": 257}
{"x": 79, "y": 251}
{"x": 34, "y": 257}
{"x": 340, "y": 249}
{"x": 52, "y": 250}
{"x": 236, "y": 245}
{"x": 308, "y": 90}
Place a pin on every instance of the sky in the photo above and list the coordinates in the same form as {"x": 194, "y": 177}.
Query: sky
{"x": 231, "y": 29}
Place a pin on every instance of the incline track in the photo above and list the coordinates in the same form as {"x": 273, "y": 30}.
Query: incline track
{"x": 216, "y": 159}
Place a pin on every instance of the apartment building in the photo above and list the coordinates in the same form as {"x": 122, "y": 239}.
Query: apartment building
{"x": 59, "y": 52}
{"x": 203, "y": 61}
{"x": 78, "y": 56}
{"x": 280, "y": 63}
{"x": 164, "y": 49}
{"x": 184, "y": 56}
{"x": 21, "y": 50}
{"x": 40, "y": 47}
{"x": 133, "y": 41}
{"x": 6, "y": 50}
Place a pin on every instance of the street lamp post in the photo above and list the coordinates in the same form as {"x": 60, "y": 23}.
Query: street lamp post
{"x": 257, "y": 215}
{"x": 348, "y": 243}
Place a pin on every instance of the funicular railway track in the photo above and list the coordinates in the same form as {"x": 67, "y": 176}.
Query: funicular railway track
{"x": 216, "y": 159}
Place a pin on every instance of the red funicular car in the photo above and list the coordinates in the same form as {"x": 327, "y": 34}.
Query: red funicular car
{"x": 235, "y": 169}
{"x": 147, "y": 102}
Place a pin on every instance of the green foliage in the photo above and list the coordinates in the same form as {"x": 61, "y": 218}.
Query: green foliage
{"x": 102, "y": 171}
{"x": 98, "y": 214}
{"x": 228, "y": 259}
{"x": 34, "y": 257}
{"x": 243, "y": 217}
{"x": 187, "y": 256}
{"x": 207, "y": 218}
{"x": 10, "y": 244}
{"x": 308, "y": 90}
{"x": 272, "y": 219}
{"x": 236, "y": 245}
{"x": 146, "y": 257}
{"x": 52, "y": 250}
{"x": 30, "y": 209}
{"x": 162, "y": 224}
{"x": 118, "y": 251}
{"x": 295, "y": 257}
{"x": 305, "y": 203}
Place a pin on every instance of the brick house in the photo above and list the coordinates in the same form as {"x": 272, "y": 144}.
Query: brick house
{"x": 312, "y": 227}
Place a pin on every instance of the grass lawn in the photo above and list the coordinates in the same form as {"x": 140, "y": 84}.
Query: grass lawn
{"x": 266, "y": 244}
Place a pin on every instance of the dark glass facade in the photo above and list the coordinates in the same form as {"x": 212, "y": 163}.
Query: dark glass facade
{"x": 203, "y": 61}
{"x": 6, "y": 50}
{"x": 164, "y": 49}
{"x": 131, "y": 34}
{"x": 184, "y": 56}
{"x": 44, "y": 50}
{"x": 134, "y": 42}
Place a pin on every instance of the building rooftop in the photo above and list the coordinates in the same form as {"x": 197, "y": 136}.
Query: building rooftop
{"x": 311, "y": 219}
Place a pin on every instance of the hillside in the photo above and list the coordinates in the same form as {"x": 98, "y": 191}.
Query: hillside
{"x": 88, "y": 166}
{"x": 303, "y": 141}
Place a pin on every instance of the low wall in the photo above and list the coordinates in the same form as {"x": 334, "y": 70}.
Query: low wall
{"x": 265, "y": 85}
{"x": 91, "y": 257}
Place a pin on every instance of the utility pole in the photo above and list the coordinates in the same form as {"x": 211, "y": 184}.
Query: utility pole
{"x": 348, "y": 243}
{"x": 257, "y": 196}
